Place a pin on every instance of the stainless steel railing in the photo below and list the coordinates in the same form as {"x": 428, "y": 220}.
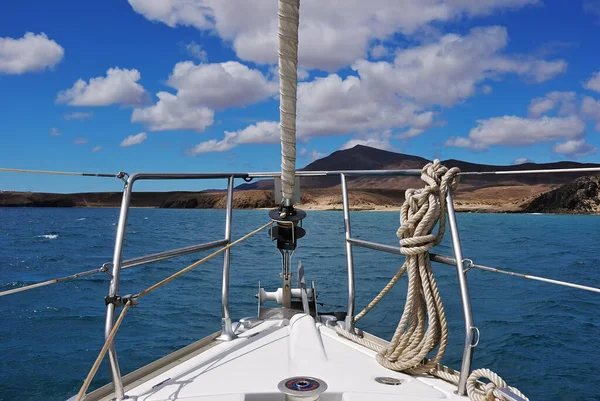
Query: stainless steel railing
{"x": 227, "y": 332}
{"x": 458, "y": 261}
{"x": 470, "y": 328}
{"x": 118, "y": 264}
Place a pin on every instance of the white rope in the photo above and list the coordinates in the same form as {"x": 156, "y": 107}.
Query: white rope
{"x": 489, "y": 391}
{"x": 423, "y": 327}
{"x": 289, "y": 16}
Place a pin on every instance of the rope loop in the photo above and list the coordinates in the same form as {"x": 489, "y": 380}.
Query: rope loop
{"x": 488, "y": 391}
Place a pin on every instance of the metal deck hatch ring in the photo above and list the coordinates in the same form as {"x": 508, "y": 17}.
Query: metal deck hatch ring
{"x": 390, "y": 381}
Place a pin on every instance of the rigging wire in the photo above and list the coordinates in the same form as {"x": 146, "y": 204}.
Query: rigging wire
{"x": 133, "y": 300}
{"x": 71, "y": 173}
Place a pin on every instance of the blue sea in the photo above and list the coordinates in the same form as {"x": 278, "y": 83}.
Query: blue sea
{"x": 539, "y": 337}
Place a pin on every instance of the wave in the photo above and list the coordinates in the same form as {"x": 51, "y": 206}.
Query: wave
{"x": 48, "y": 236}
{"x": 81, "y": 219}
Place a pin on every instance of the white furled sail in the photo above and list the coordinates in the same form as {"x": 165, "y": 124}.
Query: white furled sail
{"x": 289, "y": 16}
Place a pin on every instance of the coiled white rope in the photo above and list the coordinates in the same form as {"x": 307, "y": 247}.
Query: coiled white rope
{"x": 423, "y": 327}
{"x": 289, "y": 16}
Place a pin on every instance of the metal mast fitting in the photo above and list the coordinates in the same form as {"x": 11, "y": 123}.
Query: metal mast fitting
{"x": 287, "y": 231}
{"x": 288, "y": 228}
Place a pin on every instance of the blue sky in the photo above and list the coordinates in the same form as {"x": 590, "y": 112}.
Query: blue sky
{"x": 107, "y": 86}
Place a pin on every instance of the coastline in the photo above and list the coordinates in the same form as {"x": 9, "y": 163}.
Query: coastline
{"x": 468, "y": 199}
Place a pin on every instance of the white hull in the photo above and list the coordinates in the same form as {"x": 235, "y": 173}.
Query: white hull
{"x": 286, "y": 344}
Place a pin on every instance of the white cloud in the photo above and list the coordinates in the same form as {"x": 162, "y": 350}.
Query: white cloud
{"x": 133, "y": 140}
{"x": 478, "y": 7}
{"x": 487, "y": 89}
{"x": 171, "y": 113}
{"x": 303, "y": 74}
{"x": 521, "y": 160}
{"x": 331, "y": 35}
{"x": 541, "y": 70}
{"x": 32, "y": 52}
{"x": 410, "y": 133}
{"x": 517, "y": 131}
{"x": 175, "y": 12}
{"x": 593, "y": 83}
{"x": 262, "y": 132}
{"x": 120, "y": 86}
{"x": 311, "y": 155}
{"x": 96, "y": 148}
{"x": 196, "y": 51}
{"x": 55, "y": 132}
{"x": 378, "y": 52}
{"x": 79, "y": 115}
{"x": 460, "y": 142}
{"x": 388, "y": 96}
{"x": 542, "y": 105}
{"x": 201, "y": 88}
{"x": 336, "y": 106}
{"x": 80, "y": 141}
{"x": 590, "y": 109}
{"x": 448, "y": 71}
{"x": 373, "y": 140}
{"x": 575, "y": 147}
{"x": 592, "y": 7}
{"x": 220, "y": 85}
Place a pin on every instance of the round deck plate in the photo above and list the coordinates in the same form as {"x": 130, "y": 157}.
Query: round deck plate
{"x": 390, "y": 381}
{"x": 302, "y": 385}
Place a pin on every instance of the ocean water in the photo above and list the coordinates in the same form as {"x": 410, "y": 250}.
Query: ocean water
{"x": 539, "y": 337}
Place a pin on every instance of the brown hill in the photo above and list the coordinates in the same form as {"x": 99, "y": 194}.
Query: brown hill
{"x": 364, "y": 158}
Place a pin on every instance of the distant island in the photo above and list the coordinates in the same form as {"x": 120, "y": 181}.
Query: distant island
{"x": 532, "y": 193}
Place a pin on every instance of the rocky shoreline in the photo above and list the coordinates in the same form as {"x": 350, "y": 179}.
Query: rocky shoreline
{"x": 580, "y": 196}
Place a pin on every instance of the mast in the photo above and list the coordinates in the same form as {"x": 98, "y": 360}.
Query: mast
{"x": 288, "y": 228}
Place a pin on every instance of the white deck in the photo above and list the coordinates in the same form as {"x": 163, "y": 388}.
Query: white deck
{"x": 250, "y": 367}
